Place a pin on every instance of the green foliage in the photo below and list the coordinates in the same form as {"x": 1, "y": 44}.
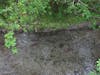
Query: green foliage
{"x": 92, "y": 73}
{"x": 10, "y": 41}
{"x": 98, "y": 65}
{"x": 93, "y": 26}
{"x": 97, "y": 72}
{"x": 79, "y": 8}
{"x": 25, "y": 12}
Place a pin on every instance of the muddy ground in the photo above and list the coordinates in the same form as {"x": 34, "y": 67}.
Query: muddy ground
{"x": 59, "y": 53}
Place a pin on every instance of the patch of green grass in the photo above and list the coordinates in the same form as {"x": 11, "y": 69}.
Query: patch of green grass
{"x": 59, "y": 23}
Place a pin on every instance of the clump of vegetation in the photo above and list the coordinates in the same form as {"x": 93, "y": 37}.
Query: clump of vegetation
{"x": 33, "y": 14}
{"x": 98, "y": 65}
{"x": 10, "y": 41}
{"x": 97, "y": 72}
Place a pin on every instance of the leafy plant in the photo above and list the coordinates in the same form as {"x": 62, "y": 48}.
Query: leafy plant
{"x": 79, "y": 8}
{"x": 98, "y": 65}
{"x": 10, "y": 42}
{"x": 97, "y": 72}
